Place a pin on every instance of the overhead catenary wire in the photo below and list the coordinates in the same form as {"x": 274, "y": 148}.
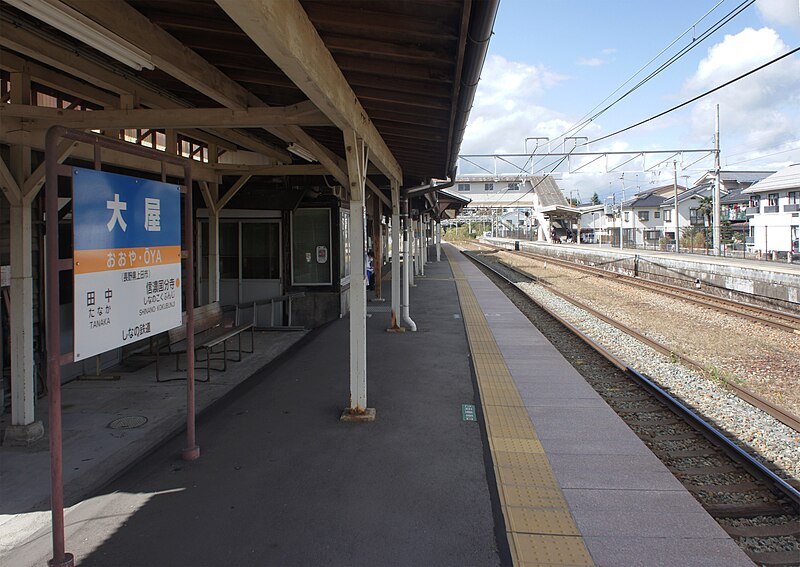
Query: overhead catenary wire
{"x": 676, "y": 107}
{"x": 588, "y": 117}
{"x": 686, "y": 49}
{"x": 696, "y": 98}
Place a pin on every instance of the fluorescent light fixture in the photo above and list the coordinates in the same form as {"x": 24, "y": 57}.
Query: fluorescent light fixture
{"x": 82, "y": 28}
{"x": 301, "y": 152}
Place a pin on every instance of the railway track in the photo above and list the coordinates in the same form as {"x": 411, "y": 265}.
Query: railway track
{"x": 757, "y": 508}
{"x": 770, "y": 317}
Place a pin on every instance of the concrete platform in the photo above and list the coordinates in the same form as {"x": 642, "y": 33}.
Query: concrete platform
{"x": 628, "y": 507}
{"x": 281, "y": 481}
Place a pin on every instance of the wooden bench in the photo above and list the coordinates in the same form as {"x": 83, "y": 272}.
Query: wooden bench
{"x": 210, "y": 332}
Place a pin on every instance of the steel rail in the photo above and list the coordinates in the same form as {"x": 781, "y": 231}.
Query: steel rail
{"x": 763, "y": 315}
{"x": 785, "y": 417}
{"x": 751, "y": 464}
{"x": 757, "y": 314}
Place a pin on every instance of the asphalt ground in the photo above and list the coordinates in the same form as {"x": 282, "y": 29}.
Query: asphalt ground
{"x": 282, "y": 482}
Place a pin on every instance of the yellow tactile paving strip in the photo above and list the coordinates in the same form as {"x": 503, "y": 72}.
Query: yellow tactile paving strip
{"x": 539, "y": 525}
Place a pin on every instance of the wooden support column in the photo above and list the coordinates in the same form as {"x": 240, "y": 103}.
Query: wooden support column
{"x": 357, "y": 159}
{"x": 213, "y": 232}
{"x": 24, "y": 429}
{"x": 377, "y": 248}
{"x": 397, "y": 246}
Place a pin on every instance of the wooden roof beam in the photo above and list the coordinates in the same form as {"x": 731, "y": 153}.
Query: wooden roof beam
{"x": 171, "y": 56}
{"x": 41, "y": 49}
{"x": 282, "y": 30}
{"x": 41, "y": 117}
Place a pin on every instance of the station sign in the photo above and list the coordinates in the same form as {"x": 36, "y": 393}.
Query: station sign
{"x": 127, "y": 260}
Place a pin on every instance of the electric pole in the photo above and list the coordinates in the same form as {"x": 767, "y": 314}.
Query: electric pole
{"x": 621, "y": 214}
{"x": 717, "y": 193}
{"x": 675, "y": 186}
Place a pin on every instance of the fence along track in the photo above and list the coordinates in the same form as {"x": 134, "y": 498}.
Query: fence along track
{"x": 770, "y": 317}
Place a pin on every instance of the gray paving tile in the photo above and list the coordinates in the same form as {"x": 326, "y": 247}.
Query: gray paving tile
{"x": 620, "y": 446}
{"x": 637, "y": 472}
{"x": 663, "y": 501}
{"x": 598, "y": 423}
{"x": 665, "y": 552}
{"x": 636, "y": 523}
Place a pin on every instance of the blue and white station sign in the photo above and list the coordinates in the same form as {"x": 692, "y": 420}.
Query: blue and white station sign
{"x": 127, "y": 260}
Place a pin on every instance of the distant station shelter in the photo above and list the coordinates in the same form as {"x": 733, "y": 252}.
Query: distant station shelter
{"x": 547, "y": 215}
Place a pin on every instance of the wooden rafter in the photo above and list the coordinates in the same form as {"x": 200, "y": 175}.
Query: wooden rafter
{"x": 282, "y": 30}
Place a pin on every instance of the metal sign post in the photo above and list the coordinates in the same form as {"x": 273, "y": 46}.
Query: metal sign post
{"x": 94, "y": 251}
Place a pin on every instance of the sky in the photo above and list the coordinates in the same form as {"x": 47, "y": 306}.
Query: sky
{"x": 551, "y": 62}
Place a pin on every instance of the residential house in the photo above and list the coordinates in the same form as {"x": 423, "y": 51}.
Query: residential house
{"x": 775, "y": 224}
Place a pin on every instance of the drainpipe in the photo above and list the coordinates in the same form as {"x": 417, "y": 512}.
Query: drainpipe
{"x": 407, "y": 267}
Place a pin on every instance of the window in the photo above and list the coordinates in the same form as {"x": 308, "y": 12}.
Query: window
{"x": 261, "y": 258}
{"x": 656, "y": 214}
{"x": 644, "y": 216}
{"x": 755, "y": 201}
{"x": 254, "y": 256}
{"x": 488, "y": 187}
{"x": 513, "y": 186}
{"x": 463, "y": 186}
{"x": 627, "y": 216}
{"x": 311, "y": 245}
{"x": 667, "y": 216}
{"x": 794, "y": 197}
{"x": 229, "y": 250}
{"x": 773, "y": 199}
{"x": 695, "y": 216}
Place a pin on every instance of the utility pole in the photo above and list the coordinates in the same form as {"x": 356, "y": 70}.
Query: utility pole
{"x": 622, "y": 214}
{"x": 675, "y": 186}
{"x": 717, "y": 193}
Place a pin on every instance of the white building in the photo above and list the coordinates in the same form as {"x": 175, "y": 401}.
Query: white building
{"x": 775, "y": 204}
{"x": 551, "y": 216}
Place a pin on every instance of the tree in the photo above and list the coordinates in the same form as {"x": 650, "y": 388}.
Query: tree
{"x": 595, "y": 199}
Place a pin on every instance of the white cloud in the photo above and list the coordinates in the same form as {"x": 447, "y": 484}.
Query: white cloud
{"x": 506, "y": 111}
{"x": 762, "y": 109}
{"x": 780, "y": 12}
{"x": 593, "y": 62}
{"x": 609, "y": 51}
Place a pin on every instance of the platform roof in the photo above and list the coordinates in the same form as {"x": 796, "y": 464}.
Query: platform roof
{"x": 412, "y": 65}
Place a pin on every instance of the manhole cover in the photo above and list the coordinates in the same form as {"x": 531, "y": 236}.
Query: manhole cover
{"x": 128, "y": 422}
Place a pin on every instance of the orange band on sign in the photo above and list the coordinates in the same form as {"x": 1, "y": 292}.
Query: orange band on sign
{"x": 89, "y": 261}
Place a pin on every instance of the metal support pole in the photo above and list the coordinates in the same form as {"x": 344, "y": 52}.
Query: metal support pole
{"x": 60, "y": 557}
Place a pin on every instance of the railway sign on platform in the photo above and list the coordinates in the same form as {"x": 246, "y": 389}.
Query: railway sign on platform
{"x": 127, "y": 260}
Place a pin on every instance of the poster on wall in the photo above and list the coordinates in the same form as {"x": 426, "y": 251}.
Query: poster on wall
{"x": 127, "y": 260}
